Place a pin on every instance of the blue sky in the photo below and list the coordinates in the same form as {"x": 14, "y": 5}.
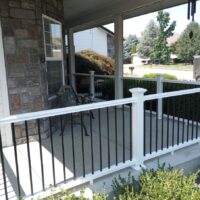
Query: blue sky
{"x": 137, "y": 25}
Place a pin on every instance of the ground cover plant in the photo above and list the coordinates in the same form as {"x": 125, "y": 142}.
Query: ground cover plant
{"x": 160, "y": 184}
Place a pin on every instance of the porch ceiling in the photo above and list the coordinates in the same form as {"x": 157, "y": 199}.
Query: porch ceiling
{"x": 83, "y": 14}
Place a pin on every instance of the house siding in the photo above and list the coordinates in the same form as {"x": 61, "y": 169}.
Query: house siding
{"x": 24, "y": 54}
{"x": 93, "y": 39}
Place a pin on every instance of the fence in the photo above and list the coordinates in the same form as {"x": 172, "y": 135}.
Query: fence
{"x": 102, "y": 87}
{"x": 172, "y": 130}
{"x": 95, "y": 85}
{"x": 93, "y": 140}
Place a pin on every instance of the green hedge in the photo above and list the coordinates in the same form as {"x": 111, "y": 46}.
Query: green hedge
{"x": 108, "y": 87}
{"x": 183, "y": 106}
{"x": 165, "y": 76}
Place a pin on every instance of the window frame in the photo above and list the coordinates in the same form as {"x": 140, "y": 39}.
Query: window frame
{"x": 47, "y": 59}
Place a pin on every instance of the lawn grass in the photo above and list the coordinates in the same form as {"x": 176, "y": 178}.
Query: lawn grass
{"x": 181, "y": 67}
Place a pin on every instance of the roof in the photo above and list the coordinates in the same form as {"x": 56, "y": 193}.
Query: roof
{"x": 171, "y": 40}
{"x": 107, "y": 30}
{"x": 81, "y": 15}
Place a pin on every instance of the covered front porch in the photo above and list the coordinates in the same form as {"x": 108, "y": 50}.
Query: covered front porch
{"x": 123, "y": 133}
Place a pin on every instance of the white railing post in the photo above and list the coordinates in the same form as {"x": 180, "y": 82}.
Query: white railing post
{"x": 159, "y": 89}
{"x": 138, "y": 125}
{"x": 92, "y": 88}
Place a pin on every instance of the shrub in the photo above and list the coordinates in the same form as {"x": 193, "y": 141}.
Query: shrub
{"x": 165, "y": 76}
{"x": 64, "y": 195}
{"x": 162, "y": 184}
{"x": 121, "y": 185}
{"x": 89, "y": 60}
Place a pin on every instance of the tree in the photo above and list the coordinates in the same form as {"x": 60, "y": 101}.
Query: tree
{"x": 129, "y": 44}
{"x": 188, "y": 44}
{"x": 161, "y": 51}
{"x": 145, "y": 48}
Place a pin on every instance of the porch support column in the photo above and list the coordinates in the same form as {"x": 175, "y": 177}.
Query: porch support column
{"x": 118, "y": 38}
{"x": 71, "y": 55}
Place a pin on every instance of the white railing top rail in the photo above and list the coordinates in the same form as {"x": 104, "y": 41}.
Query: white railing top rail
{"x": 138, "y": 78}
{"x": 104, "y": 76}
{"x": 95, "y": 75}
{"x": 64, "y": 111}
{"x": 81, "y": 74}
{"x": 171, "y": 94}
{"x": 191, "y": 82}
{"x": 181, "y": 82}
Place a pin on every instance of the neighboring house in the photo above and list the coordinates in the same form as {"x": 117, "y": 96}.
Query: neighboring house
{"x": 100, "y": 40}
{"x": 137, "y": 60}
{"x": 173, "y": 39}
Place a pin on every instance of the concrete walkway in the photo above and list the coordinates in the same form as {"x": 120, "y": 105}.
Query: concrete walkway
{"x": 58, "y": 159}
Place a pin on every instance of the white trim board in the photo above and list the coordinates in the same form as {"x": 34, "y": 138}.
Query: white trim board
{"x": 4, "y": 101}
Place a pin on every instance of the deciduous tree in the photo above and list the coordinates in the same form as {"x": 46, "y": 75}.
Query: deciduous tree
{"x": 161, "y": 50}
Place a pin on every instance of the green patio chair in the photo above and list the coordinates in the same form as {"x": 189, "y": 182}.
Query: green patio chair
{"x": 68, "y": 97}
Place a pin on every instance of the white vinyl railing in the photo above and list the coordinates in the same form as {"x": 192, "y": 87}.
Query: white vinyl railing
{"x": 137, "y": 100}
{"x": 159, "y": 80}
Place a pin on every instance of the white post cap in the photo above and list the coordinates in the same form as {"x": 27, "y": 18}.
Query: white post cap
{"x": 137, "y": 91}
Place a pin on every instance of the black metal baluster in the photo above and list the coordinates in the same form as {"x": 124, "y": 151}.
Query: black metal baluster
{"x": 123, "y": 133}
{"x": 183, "y": 126}
{"x": 130, "y": 131}
{"x": 29, "y": 156}
{"x": 196, "y": 106}
{"x": 162, "y": 123}
{"x": 156, "y": 138}
{"x": 173, "y": 120}
{"x": 188, "y": 119}
{"x": 151, "y": 138}
{"x": 116, "y": 137}
{"x": 16, "y": 159}
{"x": 91, "y": 142}
{"x": 63, "y": 146}
{"x": 41, "y": 155}
{"x": 168, "y": 123}
{"x": 83, "y": 148}
{"x": 193, "y": 113}
{"x": 178, "y": 128}
{"x": 52, "y": 151}
{"x": 3, "y": 168}
{"x": 100, "y": 139}
{"x": 108, "y": 132}
{"x": 73, "y": 146}
{"x": 144, "y": 142}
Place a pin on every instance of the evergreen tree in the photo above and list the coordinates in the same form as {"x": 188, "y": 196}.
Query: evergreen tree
{"x": 129, "y": 44}
{"x": 188, "y": 44}
{"x": 145, "y": 48}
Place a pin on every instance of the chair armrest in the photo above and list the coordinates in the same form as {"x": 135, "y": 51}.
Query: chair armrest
{"x": 83, "y": 99}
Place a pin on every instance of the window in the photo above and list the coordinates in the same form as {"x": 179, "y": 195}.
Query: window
{"x": 54, "y": 54}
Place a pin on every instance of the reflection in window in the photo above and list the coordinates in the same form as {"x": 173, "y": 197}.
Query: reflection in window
{"x": 54, "y": 54}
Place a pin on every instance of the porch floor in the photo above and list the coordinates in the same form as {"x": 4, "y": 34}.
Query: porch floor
{"x": 57, "y": 145}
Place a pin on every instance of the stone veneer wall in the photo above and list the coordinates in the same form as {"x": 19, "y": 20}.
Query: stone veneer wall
{"x": 22, "y": 29}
